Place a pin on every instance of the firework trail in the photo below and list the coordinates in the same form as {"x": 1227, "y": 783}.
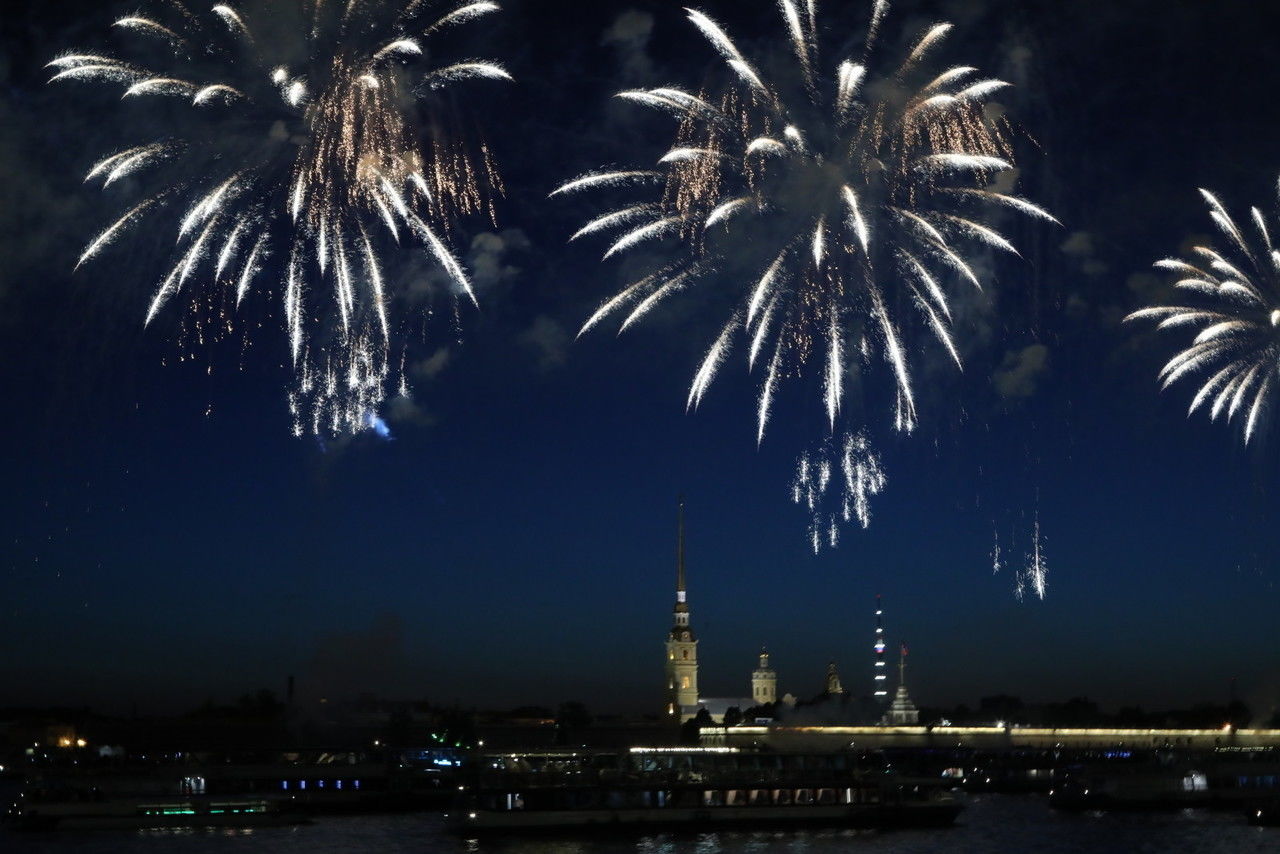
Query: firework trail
{"x": 1231, "y": 301}
{"x": 292, "y": 159}
{"x": 834, "y": 483}
{"x": 832, "y": 198}
{"x": 1035, "y": 574}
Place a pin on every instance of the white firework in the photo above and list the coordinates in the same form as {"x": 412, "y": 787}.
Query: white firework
{"x": 834, "y": 482}
{"x": 826, "y": 199}
{"x": 295, "y": 158}
{"x": 1230, "y": 302}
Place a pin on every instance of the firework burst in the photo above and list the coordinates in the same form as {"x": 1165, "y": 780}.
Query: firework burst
{"x": 292, "y": 158}
{"x": 831, "y": 198}
{"x": 1231, "y": 301}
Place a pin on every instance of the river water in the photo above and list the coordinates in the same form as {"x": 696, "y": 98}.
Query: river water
{"x": 991, "y": 823}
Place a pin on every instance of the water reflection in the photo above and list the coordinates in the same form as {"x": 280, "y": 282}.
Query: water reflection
{"x": 990, "y": 824}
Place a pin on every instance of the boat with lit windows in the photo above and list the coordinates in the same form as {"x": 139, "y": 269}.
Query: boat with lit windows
{"x": 692, "y": 787}
{"x": 131, "y": 813}
{"x": 89, "y": 801}
{"x": 233, "y": 790}
{"x": 1230, "y": 777}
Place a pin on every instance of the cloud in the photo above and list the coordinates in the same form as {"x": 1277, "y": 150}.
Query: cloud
{"x": 1081, "y": 247}
{"x": 1018, "y": 63}
{"x": 432, "y": 366}
{"x": 629, "y": 36}
{"x": 549, "y": 341}
{"x": 489, "y": 260}
{"x": 1079, "y": 244}
{"x": 404, "y": 410}
{"x": 45, "y": 219}
{"x": 1143, "y": 289}
{"x": 1006, "y": 180}
{"x": 1020, "y": 371}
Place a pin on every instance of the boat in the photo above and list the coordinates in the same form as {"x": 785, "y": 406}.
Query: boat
{"x": 139, "y": 801}
{"x": 216, "y": 790}
{"x": 1222, "y": 778}
{"x": 130, "y": 813}
{"x": 671, "y": 788}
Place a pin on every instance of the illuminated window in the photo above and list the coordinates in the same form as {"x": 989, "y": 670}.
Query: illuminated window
{"x": 684, "y": 682}
{"x": 686, "y": 653}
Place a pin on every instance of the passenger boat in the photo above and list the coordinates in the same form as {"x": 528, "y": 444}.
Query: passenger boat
{"x": 100, "y": 802}
{"x": 130, "y": 813}
{"x": 1230, "y": 779}
{"x": 216, "y": 791}
{"x": 691, "y": 787}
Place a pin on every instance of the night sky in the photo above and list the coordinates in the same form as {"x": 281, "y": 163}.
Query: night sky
{"x": 166, "y": 539}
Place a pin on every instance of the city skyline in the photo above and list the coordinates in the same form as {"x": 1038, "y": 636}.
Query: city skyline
{"x": 512, "y": 542}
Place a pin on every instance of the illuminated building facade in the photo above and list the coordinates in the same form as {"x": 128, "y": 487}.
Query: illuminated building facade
{"x": 683, "y": 702}
{"x": 833, "y": 686}
{"x": 903, "y": 712}
{"x": 764, "y": 682}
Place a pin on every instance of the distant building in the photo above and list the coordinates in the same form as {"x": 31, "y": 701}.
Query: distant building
{"x": 833, "y": 686}
{"x": 764, "y": 682}
{"x": 683, "y": 701}
{"x": 902, "y": 712}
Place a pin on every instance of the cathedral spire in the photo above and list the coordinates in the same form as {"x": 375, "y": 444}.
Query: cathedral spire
{"x": 682, "y": 645}
{"x": 682, "y": 599}
{"x": 680, "y": 589}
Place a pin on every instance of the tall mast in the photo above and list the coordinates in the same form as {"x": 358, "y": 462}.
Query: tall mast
{"x": 880, "y": 691}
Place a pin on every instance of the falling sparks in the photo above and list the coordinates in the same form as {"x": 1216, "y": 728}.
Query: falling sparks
{"x": 834, "y": 482}
{"x": 1231, "y": 302}
{"x": 831, "y": 198}
{"x": 1037, "y": 571}
{"x": 303, "y": 171}
{"x": 1034, "y": 575}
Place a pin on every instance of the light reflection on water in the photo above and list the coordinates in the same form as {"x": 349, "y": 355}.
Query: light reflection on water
{"x": 991, "y": 824}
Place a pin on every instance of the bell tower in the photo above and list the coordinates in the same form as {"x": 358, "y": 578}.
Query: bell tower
{"x": 682, "y": 645}
{"x": 764, "y": 682}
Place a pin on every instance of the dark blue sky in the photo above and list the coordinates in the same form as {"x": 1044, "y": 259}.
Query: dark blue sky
{"x": 167, "y": 539}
